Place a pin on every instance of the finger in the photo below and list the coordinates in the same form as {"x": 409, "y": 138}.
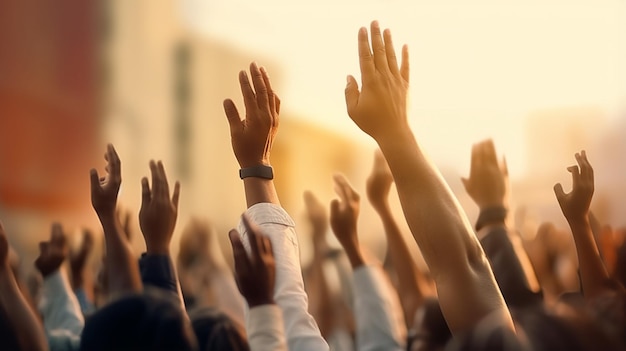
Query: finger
{"x": 176, "y": 194}
{"x": 267, "y": 246}
{"x": 270, "y": 92}
{"x": 165, "y": 185}
{"x": 156, "y": 184}
{"x": 586, "y": 170}
{"x": 232, "y": 115}
{"x": 56, "y": 234}
{"x": 489, "y": 152}
{"x": 340, "y": 188}
{"x": 146, "y": 195}
{"x": 242, "y": 261}
{"x": 251, "y": 229}
{"x": 335, "y": 206}
{"x": 309, "y": 199}
{"x": 44, "y": 248}
{"x": 277, "y": 103}
{"x": 249, "y": 98}
{"x": 378, "y": 48}
{"x": 404, "y": 66}
{"x": 366, "y": 60}
{"x": 352, "y": 94}
{"x": 558, "y": 191}
{"x": 390, "y": 52}
{"x": 114, "y": 162}
{"x": 575, "y": 175}
{"x": 95, "y": 181}
{"x": 259, "y": 86}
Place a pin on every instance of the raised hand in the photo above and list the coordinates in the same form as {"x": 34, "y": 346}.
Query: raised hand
{"x": 488, "y": 183}
{"x": 344, "y": 214}
{"x": 379, "y": 183}
{"x": 379, "y": 109}
{"x": 575, "y": 204}
{"x": 104, "y": 190}
{"x": 252, "y": 138}
{"x": 78, "y": 259}
{"x": 317, "y": 215}
{"x": 255, "y": 273}
{"x": 157, "y": 217}
{"x": 52, "y": 253}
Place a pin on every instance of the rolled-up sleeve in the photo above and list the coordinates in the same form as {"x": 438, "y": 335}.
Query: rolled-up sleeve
{"x": 301, "y": 329}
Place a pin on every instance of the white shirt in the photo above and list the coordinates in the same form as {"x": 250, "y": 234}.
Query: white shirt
{"x": 61, "y": 312}
{"x": 264, "y": 326}
{"x": 379, "y": 320}
{"x": 301, "y": 329}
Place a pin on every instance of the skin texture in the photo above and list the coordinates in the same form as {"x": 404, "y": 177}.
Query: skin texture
{"x": 575, "y": 206}
{"x": 252, "y": 138}
{"x": 344, "y": 213}
{"x": 121, "y": 267}
{"x": 465, "y": 283}
{"x": 157, "y": 217}
{"x": 412, "y": 285}
{"x": 23, "y": 320}
{"x": 53, "y": 252}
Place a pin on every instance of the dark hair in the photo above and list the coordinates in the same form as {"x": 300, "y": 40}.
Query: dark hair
{"x": 216, "y": 331}
{"x": 149, "y": 321}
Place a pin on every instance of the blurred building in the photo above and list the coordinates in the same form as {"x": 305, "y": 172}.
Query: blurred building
{"x": 49, "y": 113}
{"x": 165, "y": 89}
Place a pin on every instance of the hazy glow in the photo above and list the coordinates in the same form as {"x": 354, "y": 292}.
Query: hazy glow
{"x": 478, "y": 67}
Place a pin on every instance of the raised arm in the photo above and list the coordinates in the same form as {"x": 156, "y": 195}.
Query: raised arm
{"x": 488, "y": 185}
{"x": 256, "y": 278}
{"x": 465, "y": 283}
{"x": 157, "y": 219}
{"x": 379, "y": 321}
{"x": 412, "y": 286}
{"x": 27, "y": 328}
{"x": 62, "y": 316}
{"x": 252, "y": 140}
{"x": 82, "y": 277}
{"x": 122, "y": 270}
{"x": 575, "y": 206}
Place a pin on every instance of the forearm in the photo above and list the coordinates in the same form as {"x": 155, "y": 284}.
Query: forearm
{"x": 593, "y": 273}
{"x": 122, "y": 269}
{"x": 411, "y": 280}
{"x": 260, "y": 190}
{"x": 466, "y": 286}
{"x": 30, "y": 333}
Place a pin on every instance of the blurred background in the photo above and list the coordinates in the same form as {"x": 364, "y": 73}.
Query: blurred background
{"x": 543, "y": 79}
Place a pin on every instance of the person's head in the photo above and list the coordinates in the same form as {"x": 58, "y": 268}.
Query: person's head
{"x": 216, "y": 331}
{"x": 152, "y": 321}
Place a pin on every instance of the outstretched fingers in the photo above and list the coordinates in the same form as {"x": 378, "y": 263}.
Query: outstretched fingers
{"x": 391, "y": 53}
{"x": 366, "y": 59}
{"x": 404, "y": 66}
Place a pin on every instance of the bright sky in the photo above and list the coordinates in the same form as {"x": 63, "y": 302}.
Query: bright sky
{"x": 477, "y": 67}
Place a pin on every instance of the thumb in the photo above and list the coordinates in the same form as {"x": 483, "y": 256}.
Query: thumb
{"x": 95, "y": 181}
{"x": 558, "y": 191}
{"x": 232, "y": 115}
{"x": 352, "y": 94}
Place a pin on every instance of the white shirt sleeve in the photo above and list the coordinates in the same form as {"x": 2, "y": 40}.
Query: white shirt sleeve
{"x": 264, "y": 326}
{"x": 301, "y": 329}
{"x": 379, "y": 321}
{"x": 61, "y": 312}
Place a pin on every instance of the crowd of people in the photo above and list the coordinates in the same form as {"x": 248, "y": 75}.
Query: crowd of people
{"x": 486, "y": 288}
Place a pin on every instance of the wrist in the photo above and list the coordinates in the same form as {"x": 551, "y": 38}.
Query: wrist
{"x": 491, "y": 215}
{"x": 158, "y": 249}
{"x": 260, "y": 301}
{"x": 578, "y": 220}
